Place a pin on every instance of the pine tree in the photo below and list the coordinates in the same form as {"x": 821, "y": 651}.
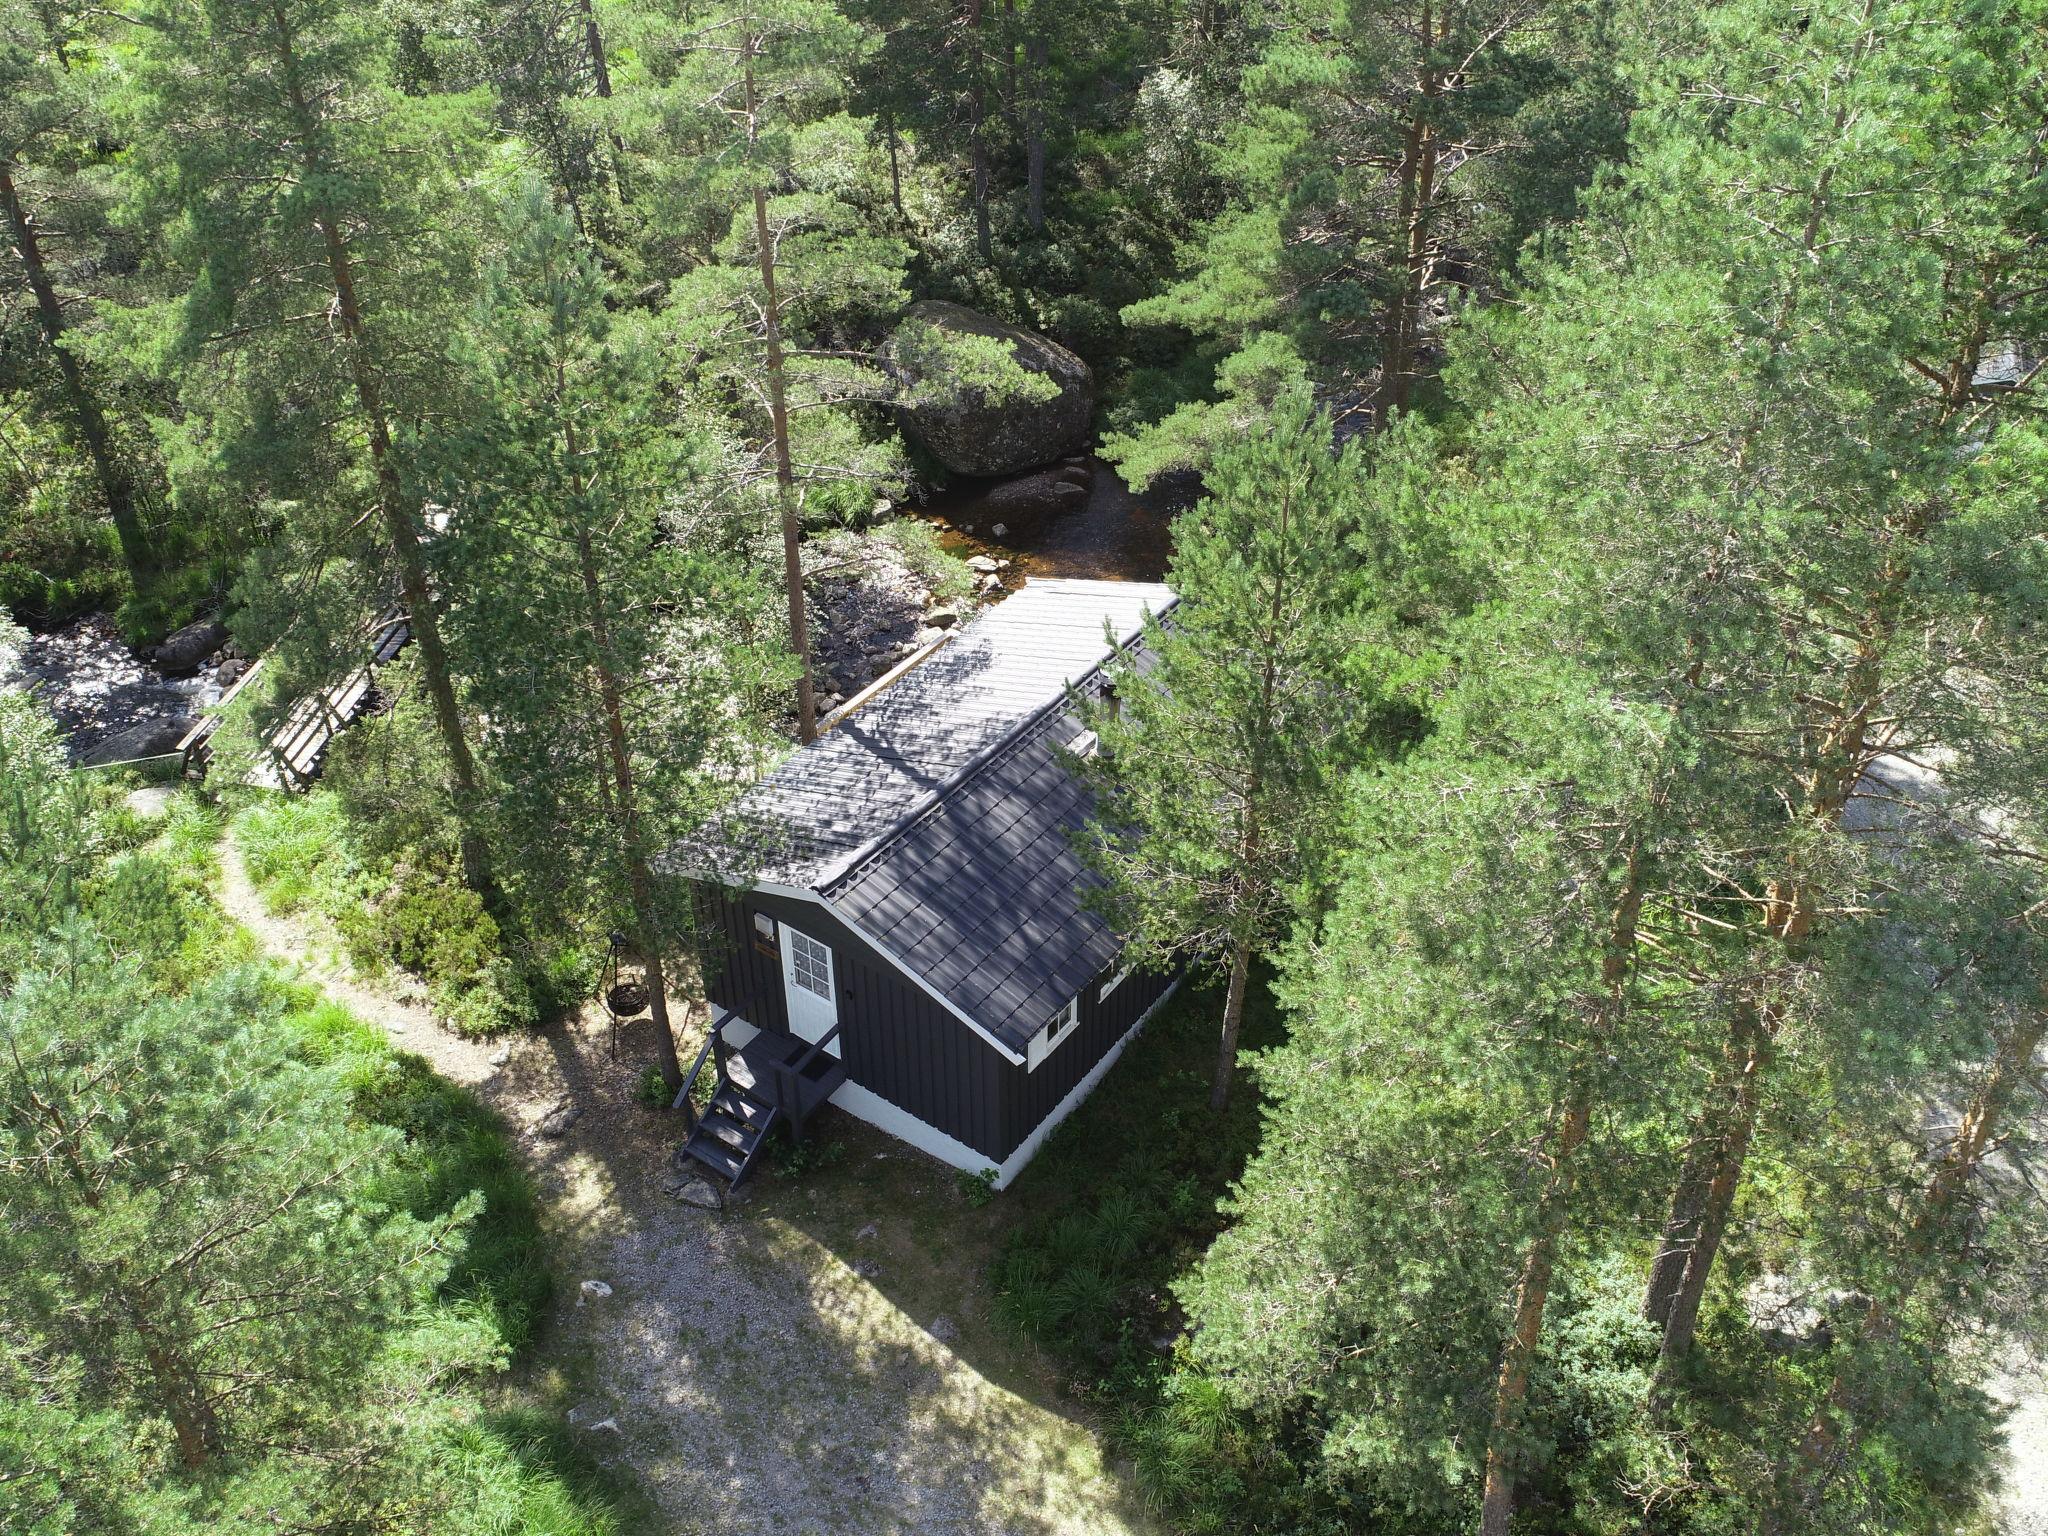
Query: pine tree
{"x": 195, "y": 1212}
{"x": 318, "y": 220}
{"x": 624, "y": 650}
{"x": 1221, "y": 755}
{"x": 49, "y": 108}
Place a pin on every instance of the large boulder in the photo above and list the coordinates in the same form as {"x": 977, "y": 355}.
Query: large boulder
{"x": 182, "y": 653}
{"x": 152, "y": 738}
{"x": 960, "y": 424}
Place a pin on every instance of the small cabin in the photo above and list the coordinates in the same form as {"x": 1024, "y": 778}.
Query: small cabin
{"x": 894, "y": 917}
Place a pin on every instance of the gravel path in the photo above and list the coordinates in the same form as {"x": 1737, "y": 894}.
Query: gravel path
{"x": 784, "y": 1367}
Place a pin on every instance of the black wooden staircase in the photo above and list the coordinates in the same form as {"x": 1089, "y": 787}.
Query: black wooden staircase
{"x": 771, "y": 1080}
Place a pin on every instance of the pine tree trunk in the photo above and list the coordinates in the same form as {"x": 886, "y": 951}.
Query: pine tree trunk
{"x": 1823, "y": 1448}
{"x": 1681, "y": 1225}
{"x": 593, "y": 43}
{"x": 179, "y": 1392}
{"x": 1749, "y": 1040}
{"x": 1233, "y": 1018}
{"x": 778, "y": 424}
{"x": 977, "y": 133}
{"x": 1035, "y": 53}
{"x": 895, "y": 167}
{"x": 398, "y": 512}
{"x": 1418, "y": 197}
{"x": 601, "y": 83}
{"x": 1532, "y": 1288}
{"x": 1532, "y": 1295}
{"x": 116, "y": 485}
{"x": 647, "y": 936}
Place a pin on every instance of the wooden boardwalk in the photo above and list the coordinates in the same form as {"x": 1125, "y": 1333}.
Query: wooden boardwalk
{"x": 295, "y": 748}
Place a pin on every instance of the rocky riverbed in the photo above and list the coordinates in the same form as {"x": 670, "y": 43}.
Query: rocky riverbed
{"x": 1106, "y": 531}
{"x": 112, "y": 704}
{"x": 870, "y": 609}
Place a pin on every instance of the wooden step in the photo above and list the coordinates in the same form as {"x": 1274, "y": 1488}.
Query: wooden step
{"x": 715, "y": 1155}
{"x": 736, "y": 1104}
{"x": 740, "y": 1137}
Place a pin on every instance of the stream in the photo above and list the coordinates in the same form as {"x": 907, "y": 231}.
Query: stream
{"x": 1117, "y": 535}
{"x": 110, "y": 705}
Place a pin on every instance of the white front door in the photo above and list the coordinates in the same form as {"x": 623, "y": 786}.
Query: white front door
{"x": 810, "y": 987}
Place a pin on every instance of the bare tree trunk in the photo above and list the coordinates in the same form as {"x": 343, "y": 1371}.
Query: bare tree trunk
{"x": 778, "y": 422}
{"x": 116, "y": 485}
{"x": 1035, "y": 54}
{"x": 400, "y": 522}
{"x": 1233, "y": 1018}
{"x": 977, "y": 132}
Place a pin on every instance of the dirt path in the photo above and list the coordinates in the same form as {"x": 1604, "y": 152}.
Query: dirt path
{"x": 814, "y": 1360}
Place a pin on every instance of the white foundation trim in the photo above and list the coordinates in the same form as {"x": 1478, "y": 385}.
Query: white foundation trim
{"x": 1028, "y": 1148}
{"x": 866, "y": 1104}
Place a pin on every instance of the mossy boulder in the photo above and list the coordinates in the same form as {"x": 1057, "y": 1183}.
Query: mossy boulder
{"x": 964, "y": 401}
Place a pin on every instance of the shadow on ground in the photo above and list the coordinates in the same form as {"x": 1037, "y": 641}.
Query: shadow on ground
{"x": 817, "y": 1358}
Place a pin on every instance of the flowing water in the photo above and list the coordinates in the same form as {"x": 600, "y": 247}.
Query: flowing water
{"x": 100, "y": 692}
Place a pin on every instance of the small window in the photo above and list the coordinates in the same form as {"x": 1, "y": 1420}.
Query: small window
{"x": 1112, "y": 984}
{"x": 764, "y": 933}
{"x": 1056, "y": 1030}
{"x": 810, "y": 964}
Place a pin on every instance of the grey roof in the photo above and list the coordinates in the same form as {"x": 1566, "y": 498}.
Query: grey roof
{"x": 937, "y": 818}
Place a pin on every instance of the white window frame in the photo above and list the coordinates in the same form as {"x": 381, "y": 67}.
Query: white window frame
{"x": 1112, "y": 984}
{"x": 807, "y": 954}
{"x": 1054, "y": 1034}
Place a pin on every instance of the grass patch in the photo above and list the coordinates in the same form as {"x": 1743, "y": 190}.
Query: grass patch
{"x": 1121, "y": 1202}
{"x": 1123, "y": 1197}
{"x": 402, "y": 913}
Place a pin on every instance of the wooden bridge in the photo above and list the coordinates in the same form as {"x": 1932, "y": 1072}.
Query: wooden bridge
{"x": 295, "y": 748}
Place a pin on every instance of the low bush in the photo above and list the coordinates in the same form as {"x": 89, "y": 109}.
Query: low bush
{"x": 412, "y": 914}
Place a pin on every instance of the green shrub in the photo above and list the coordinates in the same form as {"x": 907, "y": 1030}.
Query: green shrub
{"x": 977, "y": 1188}
{"x": 652, "y": 1089}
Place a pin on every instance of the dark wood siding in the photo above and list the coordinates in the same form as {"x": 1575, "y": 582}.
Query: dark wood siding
{"x": 1028, "y": 1097}
{"x": 896, "y": 1040}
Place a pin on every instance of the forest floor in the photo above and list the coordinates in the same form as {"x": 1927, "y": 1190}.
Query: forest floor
{"x": 818, "y": 1358}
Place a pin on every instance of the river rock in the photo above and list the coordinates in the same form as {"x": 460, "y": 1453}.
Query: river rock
{"x": 1041, "y": 494}
{"x": 152, "y": 738}
{"x": 961, "y": 427}
{"x": 182, "y": 654}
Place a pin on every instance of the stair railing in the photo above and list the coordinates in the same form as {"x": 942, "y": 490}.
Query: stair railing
{"x": 789, "y": 1081}
{"x": 682, "y": 1098}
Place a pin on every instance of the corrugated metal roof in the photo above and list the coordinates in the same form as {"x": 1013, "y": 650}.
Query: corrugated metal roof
{"x": 937, "y": 819}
